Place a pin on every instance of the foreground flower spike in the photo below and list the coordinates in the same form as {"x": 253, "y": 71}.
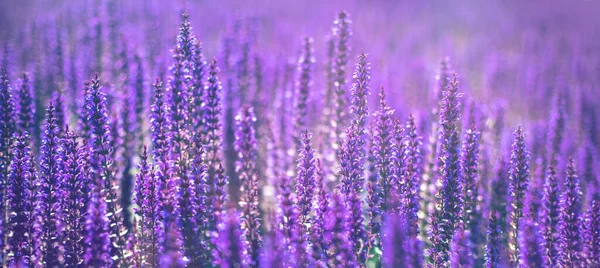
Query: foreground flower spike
{"x": 304, "y": 83}
{"x": 570, "y": 244}
{"x": 198, "y": 90}
{"x": 449, "y": 163}
{"x": 49, "y": 195}
{"x": 470, "y": 173}
{"x": 494, "y": 250}
{"x": 161, "y": 144}
{"x": 373, "y": 201}
{"x": 339, "y": 249}
{"x": 245, "y": 145}
{"x": 461, "y": 250}
{"x": 193, "y": 210}
{"x": 519, "y": 180}
{"x": 358, "y": 235}
{"x": 76, "y": 187}
{"x": 384, "y": 152}
{"x": 103, "y": 171}
{"x": 214, "y": 158}
{"x": 230, "y": 250}
{"x": 550, "y": 217}
{"x": 289, "y": 225}
{"x": 186, "y": 39}
{"x": 412, "y": 171}
{"x": 21, "y": 192}
{"x": 25, "y": 107}
{"x": 149, "y": 235}
{"x": 360, "y": 92}
{"x": 395, "y": 241}
{"x": 305, "y": 180}
{"x": 341, "y": 33}
{"x": 97, "y": 241}
{"x": 317, "y": 228}
{"x": 499, "y": 196}
{"x": 7, "y": 128}
{"x": 530, "y": 243}
{"x": 592, "y": 235}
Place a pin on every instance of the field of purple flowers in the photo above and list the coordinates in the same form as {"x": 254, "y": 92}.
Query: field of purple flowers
{"x": 299, "y": 133}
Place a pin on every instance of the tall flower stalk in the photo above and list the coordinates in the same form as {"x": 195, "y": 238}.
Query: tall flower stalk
{"x": 245, "y": 145}
{"x": 519, "y": 180}
{"x": 7, "y": 127}
{"x": 450, "y": 194}
{"x": 550, "y": 217}
{"x": 49, "y": 195}
{"x": 21, "y": 191}
{"x": 341, "y": 33}
{"x": 149, "y": 235}
{"x": 102, "y": 168}
{"x": 304, "y": 83}
{"x": 76, "y": 187}
{"x": 570, "y": 244}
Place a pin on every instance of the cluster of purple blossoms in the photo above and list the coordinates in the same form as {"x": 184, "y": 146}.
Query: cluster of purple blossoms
{"x": 255, "y": 160}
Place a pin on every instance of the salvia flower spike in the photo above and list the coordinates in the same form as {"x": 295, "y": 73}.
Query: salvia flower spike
{"x": 519, "y": 180}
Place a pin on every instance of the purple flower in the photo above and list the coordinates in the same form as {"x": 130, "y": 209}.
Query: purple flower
{"x": 149, "y": 235}
{"x": 186, "y": 39}
{"x": 192, "y": 208}
{"x": 360, "y": 92}
{"x": 385, "y": 156}
{"x": 198, "y": 106}
{"x": 550, "y": 214}
{"x": 530, "y": 243}
{"x": 7, "y": 127}
{"x": 60, "y": 111}
{"x": 450, "y": 194}
{"x": 373, "y": 199}
{"x": 25, "y": 107}
{"x": 494, "y": 250}
{"x": 101, "y": 165}
{"x": 49, "y": 196}
{"x": 498, "y": 199}
{"x": 470, "y": 172}
{"x": 341, "y": 33}
{"x": 337, "y": 232}
{"x": 570, "y": 241}
{"x": 317, "y": 229}
{"x": 212, "y": 117}
{"x": 97, "y": 253}
{"x": 305, "y": 180}
{"x": 519, "y": 180}
{"x": 592, "y": 235}
{"x": 288, "y": 221}
{"x": 245, "y": 145}
{"x": 170, "y": 255}
{"x": 140, "y": 98}
{"x": 216, "y": 180}
{"x": 21, "y": 190}
{"x": 230, "y": 250}
{"x": 411, "y": 174}
{"x": 161, "y": 143}
{"x": 358, "y": 235}
{"x": 304, "y": 82}
{"x": 75, "y": 187}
